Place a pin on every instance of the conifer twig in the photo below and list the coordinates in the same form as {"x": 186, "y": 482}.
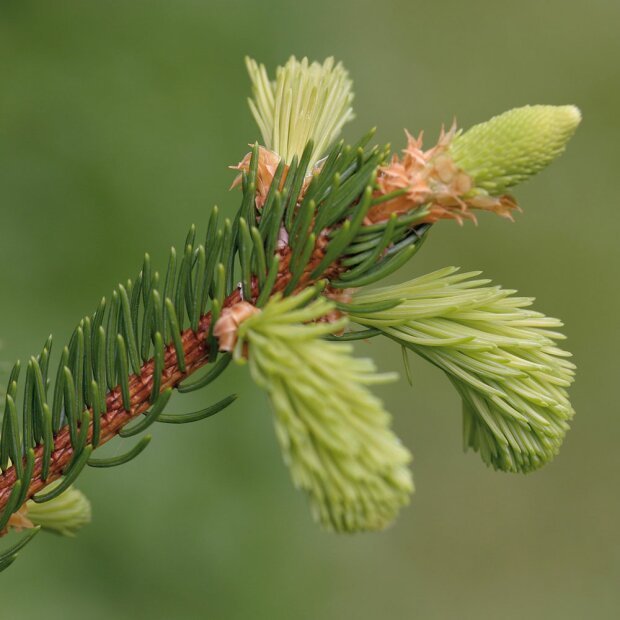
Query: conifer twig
{"x": 315, "y": 227}
{"x": 196, "y": 350}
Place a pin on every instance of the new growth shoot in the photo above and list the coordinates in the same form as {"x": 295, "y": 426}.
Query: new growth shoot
{"x": 283, "y": 287}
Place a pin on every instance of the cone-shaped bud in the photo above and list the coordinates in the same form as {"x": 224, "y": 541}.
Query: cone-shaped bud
{"x": 335, "y": 435}
{"x": 307, "y": 101}
{"x": 511, "y": 147}
{"x": 500, "y": 355}
{"x": 65, "y": 514}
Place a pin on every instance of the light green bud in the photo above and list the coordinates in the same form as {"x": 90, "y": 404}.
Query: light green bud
{"x": 64, "y": 514}
{"x": 306, "y": 101}
{"x": 512, "y": 147}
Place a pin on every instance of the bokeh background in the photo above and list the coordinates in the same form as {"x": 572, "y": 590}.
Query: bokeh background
{"x": 117, "y": 122}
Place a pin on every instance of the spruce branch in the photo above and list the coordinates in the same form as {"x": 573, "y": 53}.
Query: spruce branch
{"x": 194, "y": 350}
{"x": 115, "y": 416}
{"x": 276, "y": 285}
{"x": 79, "y": 418}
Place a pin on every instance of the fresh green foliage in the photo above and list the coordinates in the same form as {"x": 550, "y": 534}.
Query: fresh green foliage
{"x": 500, "y": 355}
{"x": 333, "y": 432}
{"x": 277, "y": 281}
{"x": 307, "y": 101}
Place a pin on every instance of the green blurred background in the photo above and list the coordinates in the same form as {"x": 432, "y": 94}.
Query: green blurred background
{"x": 117, "y": 122}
